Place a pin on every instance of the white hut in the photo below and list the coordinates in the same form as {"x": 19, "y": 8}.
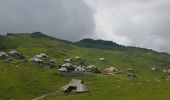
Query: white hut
{"x": 42, "y": 55}
{"x": 102, "y": 59}
{"x": 3, "y": 54}
{"x": 154, "y": 69}
{"x": 35, "y": 59}
{"x": 168, "y": 71}
{"x": 130, "y": 70}
{"x": 63, "y": 69}
{"x": 90, "y": 67}
{"x": 77, "y": 57}
{"x": 66, "y": 65}
{"x": 164, "y": 70}
{"x": 75, "y": 85}
{"x": 67, "y": 60}
{"x": 79, "y": 69}
{"x": 14, "y": 52}
{"x": 111, "y": 70}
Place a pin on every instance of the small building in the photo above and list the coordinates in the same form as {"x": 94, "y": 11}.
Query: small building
{"x": 130, "y": 70}
{"x": 90, "y": 67}
{"x": 37, "y": 60}
{"x": 154, "y": 69}
{"x": 93, "y": 69}
{"x": 102, "y": 59}
{"x": 67, "y": 65}
{"x": 79, "y": 69}
{"x": 13, "y": 52}
{"x": 75, "y": 85}
{"x": 77, "y": 57}
{"x": 9, "y": 59}
{"x": 3, "y": 55}
{"x": 164, "y": 70}
{"x": 168, "y": 71}
{"x": 110, "y": 70}
{"x": 51, "y": 63}
{"x": 67, "y": 60}
{"x": 132, "y": 76}
{"x": 16, "y": 54}
{"x": 62, "y": 69}
{"x": 42, "y": 55}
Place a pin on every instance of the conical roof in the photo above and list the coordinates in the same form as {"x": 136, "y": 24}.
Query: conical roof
{"x": 75, "y": 85}
{"x": 81, "y": 88}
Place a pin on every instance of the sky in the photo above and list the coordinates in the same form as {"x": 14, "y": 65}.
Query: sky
{"x": 141, "y": 23}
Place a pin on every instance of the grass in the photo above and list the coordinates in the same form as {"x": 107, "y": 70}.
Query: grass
{"x": 31, "y": 80}
{"x": 117, "y": 88}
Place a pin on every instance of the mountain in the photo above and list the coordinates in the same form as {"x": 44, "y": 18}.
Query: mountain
{"x": 100, "y": 44}
{"x": 30, "y": 80}
{"x": 86, "y": 43}
{"x": 109, "y": 45}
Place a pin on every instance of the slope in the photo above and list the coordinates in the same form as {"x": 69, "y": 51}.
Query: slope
{"x": 31, "y": 80}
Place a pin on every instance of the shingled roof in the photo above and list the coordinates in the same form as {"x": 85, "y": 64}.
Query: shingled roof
{"x": 75, "y": 85}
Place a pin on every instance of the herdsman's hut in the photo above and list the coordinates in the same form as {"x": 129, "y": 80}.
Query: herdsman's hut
{"x": 79, "y": 69}
{"x": 110, "y": 70}
{"x": 132, "y": 75}
{"x": 131, "y": 70}
{"x": 67, "y": 60}
{"x": 154, "y": 69}
{"x": 16, "y": 54}
{"x": 42, "y": 55}
{"x": 3, "y": 55}
{"x": 63, "y": 69}
{"x": 102, "y": 59}
{"x": 93, "y": 69}
{"x": 37, "y": 60}
{"x": 75, "y": 85}
{"x": 77, "y": 57}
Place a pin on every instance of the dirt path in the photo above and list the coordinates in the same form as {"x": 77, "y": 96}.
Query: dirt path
{"x": 47, "y": 95}
{"x": 41, "y": 97}
{"x": 105, "y": 81}
{"x": 57, "y": 91}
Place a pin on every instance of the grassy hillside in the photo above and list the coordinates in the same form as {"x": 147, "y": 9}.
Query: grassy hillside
{"x": 109, "y": 45}
{"x": 100, "y": 44}
{"x": 31, "y": 80}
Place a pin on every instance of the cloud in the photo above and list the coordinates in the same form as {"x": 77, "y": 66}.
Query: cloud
{"x": 143, "y": 23}
{"x": 67, "y": 19}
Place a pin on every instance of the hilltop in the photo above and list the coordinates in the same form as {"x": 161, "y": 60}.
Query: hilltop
{"x": 99, "y": 44}
{"x": 31, "y": 80}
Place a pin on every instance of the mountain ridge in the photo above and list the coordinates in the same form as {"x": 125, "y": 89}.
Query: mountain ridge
{"x": 28, "y": 80}
{"x": 87, "y": 42}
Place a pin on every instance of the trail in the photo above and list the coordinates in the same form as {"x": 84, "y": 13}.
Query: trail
{"x": 105, "y": 81}
{"x": 99, "y": 82}
{"x": 57, "y": 91}
{"x": 47, "y": 95}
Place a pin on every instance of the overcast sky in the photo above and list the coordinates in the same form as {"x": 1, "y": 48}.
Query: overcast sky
{"x": 143, "y": 23}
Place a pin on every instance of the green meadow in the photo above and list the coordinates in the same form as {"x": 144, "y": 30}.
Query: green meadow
{"x": 31, "y": 80}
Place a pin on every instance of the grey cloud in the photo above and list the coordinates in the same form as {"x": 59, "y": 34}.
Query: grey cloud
{"x": 144, "y": 22}
{"x": 152, "y": 25}
{"x": 67, "y": 19}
